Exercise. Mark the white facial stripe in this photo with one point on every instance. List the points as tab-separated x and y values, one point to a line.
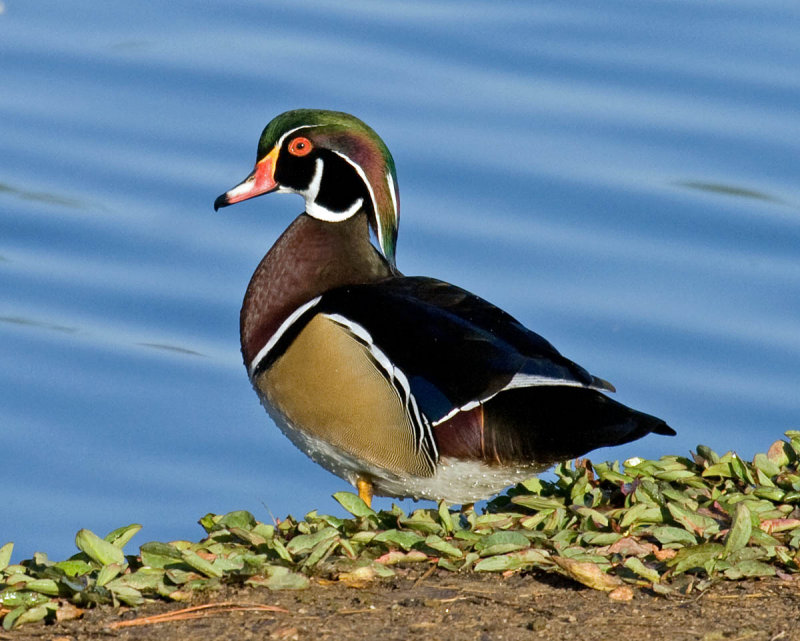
279	144
363	177
422	427
262	353
393	194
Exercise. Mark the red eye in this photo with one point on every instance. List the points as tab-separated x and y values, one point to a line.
300	146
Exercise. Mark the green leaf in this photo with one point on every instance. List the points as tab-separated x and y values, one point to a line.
305	542
422	521
5	555
666	534
97	549
108	572
321	551
354	504
445	519
382	571
122	535
674	475
500	521
200	564
641	513
761	538
749	568
129	596
279	578
739	468
708	454
240	518
467	535
440	545
15	598
767	466
774	494
144	580
598	519
176	576
693	522
600	538
741	529
635	565
74	567
502	542
363	536
248	536
159	555
11	618
209	521
264	531
514	561
279	548
43	586
696	557
649	492
405	540
533	502
611	473
721	469
30	616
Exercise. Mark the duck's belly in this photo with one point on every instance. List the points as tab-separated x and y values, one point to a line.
326	391
453	480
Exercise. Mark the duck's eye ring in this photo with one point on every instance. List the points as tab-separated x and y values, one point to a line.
300	146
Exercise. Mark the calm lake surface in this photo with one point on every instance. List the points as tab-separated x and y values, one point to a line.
620	176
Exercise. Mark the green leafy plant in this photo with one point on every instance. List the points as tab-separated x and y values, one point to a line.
659	524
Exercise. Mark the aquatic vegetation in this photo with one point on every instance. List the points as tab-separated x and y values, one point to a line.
667	525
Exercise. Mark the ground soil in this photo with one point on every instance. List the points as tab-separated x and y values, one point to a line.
446	606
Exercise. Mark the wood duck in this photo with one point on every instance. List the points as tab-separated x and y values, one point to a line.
404	386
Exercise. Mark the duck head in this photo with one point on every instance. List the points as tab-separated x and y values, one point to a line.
336	162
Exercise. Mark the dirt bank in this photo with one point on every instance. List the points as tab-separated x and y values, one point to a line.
447	606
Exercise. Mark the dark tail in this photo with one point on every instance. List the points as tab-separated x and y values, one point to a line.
550	424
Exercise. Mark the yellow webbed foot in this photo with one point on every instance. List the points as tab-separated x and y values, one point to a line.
364	490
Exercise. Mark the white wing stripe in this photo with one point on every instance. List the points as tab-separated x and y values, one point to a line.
533	380
518	381
422	427
262	353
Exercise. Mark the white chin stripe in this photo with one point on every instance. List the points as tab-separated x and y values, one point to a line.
319	212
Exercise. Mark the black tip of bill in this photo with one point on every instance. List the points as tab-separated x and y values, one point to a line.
221	201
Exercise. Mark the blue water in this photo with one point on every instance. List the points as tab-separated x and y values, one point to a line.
621	176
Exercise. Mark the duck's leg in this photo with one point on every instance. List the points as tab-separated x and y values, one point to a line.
364	486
